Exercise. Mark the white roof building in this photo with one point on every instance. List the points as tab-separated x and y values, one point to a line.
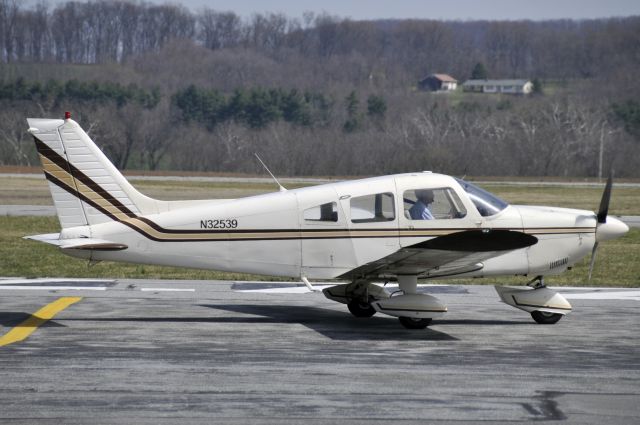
498	86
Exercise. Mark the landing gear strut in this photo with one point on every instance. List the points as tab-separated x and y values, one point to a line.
537	282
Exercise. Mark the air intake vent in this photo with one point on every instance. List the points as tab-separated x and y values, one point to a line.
558	263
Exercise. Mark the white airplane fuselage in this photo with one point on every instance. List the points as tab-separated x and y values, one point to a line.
268	234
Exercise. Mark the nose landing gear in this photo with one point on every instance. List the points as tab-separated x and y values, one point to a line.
545	305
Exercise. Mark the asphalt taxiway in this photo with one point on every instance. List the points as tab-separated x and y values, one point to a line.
149	352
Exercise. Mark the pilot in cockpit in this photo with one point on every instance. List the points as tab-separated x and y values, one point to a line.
420	209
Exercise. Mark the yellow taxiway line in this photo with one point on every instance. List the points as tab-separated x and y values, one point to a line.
40	317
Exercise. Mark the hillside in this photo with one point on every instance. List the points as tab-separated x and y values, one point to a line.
160	87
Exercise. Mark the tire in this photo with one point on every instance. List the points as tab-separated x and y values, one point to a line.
411	323
545	318
361	309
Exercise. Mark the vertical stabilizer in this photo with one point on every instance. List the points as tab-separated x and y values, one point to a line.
86	187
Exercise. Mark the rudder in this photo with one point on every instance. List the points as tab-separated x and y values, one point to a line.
86	187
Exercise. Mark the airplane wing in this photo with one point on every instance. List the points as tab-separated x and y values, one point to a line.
455	253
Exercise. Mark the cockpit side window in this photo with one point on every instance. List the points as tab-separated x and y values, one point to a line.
433	204
324	212
487	203
373	208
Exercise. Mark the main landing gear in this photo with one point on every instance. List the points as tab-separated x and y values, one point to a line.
364	299
361	308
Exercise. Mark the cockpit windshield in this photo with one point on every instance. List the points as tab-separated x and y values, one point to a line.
487	203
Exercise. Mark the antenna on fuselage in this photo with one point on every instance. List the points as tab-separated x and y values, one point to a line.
281	188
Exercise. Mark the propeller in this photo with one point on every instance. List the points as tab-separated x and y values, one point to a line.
606	228
604	202
603	211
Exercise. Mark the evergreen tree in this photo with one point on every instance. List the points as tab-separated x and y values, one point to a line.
629	114
295	109
353	116
376	106
479	72
537	86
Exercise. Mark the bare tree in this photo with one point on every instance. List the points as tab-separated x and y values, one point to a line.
218	30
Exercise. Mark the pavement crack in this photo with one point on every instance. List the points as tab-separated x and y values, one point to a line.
545	407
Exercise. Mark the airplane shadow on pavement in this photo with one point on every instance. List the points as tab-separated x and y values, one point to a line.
335	325
332	324
11	319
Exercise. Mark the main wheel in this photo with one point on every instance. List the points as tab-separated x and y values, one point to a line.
545	318
411	323
361	309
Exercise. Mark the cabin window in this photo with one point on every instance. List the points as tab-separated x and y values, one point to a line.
487	203
373	208
433	204
324	212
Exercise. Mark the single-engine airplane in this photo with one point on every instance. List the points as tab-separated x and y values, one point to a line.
402	227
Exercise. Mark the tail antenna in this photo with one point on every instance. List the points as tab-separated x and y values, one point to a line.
281	188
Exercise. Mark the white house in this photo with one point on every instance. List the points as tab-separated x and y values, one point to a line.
498	86
438	82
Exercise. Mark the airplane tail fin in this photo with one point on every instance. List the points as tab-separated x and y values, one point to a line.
86	187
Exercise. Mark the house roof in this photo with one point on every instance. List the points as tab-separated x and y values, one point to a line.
495	82
445	77
442	77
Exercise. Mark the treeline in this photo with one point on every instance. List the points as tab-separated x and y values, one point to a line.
254	107
258	107
55	93
103	31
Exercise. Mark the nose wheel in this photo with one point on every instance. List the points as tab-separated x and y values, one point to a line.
411	323
545	318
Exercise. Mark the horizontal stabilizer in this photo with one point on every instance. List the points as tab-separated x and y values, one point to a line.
50	238
78	243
